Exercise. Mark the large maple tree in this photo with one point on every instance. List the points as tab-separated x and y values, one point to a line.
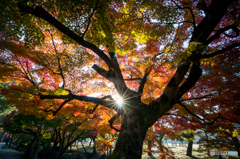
150	53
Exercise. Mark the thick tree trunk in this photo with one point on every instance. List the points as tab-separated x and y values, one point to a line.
132	135
189	149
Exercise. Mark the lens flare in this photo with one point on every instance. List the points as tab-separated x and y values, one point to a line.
119	102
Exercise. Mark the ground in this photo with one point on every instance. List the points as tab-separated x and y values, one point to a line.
180	153
11	154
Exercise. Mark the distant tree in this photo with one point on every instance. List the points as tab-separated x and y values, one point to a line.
220	138
188	135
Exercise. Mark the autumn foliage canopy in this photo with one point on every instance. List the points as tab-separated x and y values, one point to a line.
169	61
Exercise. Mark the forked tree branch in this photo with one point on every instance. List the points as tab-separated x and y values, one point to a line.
173	84
194	74
112	120
42	13
218	33
209	123
216	11
193	17
144	80
89	18
59	64
228	48
102	72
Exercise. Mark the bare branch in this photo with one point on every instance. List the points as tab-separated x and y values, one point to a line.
59	64
173	84
42	13
132	79
183	117
202	5
194	74
235	121
193	17
89	19
46	110
188	2
103	73
25	72
163	23
60	107
219	32
174	38
108	104
209	123
228	48
92	110
205	96
216	11
144	80
158	54
111	122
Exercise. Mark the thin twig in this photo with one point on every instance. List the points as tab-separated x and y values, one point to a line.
193	17
89	19
59	64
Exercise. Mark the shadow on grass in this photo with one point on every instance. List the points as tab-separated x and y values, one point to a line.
171	147
151	156
193	157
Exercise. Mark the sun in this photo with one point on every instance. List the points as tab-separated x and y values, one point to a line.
119	102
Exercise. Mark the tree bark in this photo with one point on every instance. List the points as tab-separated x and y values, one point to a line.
34	152
150	148
189	149
11	140
237	145
94	147
132	135
135	123
30	145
